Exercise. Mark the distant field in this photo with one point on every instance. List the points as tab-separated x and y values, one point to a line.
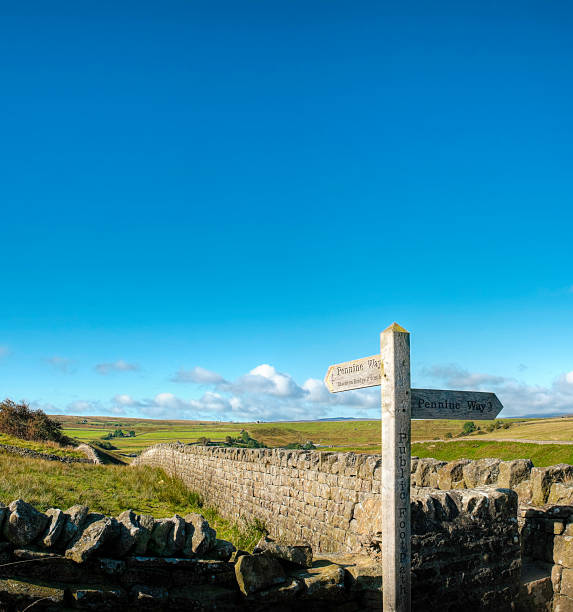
559	429
357	436
472	448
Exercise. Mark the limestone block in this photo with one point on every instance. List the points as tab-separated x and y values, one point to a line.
560	493
324	581
563	550
24	523
92	540
543	478
524	491
451	474
299	555
481	472
257	572
556	573
513	472
367	516
566	586
424	471
55	528
562	603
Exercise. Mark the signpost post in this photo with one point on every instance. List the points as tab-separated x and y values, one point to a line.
400	403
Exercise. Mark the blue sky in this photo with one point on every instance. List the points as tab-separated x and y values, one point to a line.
204	204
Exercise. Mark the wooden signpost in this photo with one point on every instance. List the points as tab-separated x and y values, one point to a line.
400	403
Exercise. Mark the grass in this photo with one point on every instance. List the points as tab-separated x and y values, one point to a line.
111	490
51	448
541	454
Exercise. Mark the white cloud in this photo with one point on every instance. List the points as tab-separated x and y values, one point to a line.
198	375
118	366
517	397
63	364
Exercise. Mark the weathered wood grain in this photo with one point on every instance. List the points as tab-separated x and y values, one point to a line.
440	404
396	531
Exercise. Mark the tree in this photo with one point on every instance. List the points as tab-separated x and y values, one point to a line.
469	426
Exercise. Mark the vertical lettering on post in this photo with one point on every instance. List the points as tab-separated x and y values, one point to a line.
396	452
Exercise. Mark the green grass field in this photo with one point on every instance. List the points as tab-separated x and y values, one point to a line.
111	490
50	448
356	436
541	454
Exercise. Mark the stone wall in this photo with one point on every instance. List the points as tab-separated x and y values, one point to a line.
547	540
326	499
465	555
330	500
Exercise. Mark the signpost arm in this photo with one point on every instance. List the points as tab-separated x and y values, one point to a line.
396	414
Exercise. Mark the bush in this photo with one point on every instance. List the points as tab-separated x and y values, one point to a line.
21	421
449	435
469	427
244	440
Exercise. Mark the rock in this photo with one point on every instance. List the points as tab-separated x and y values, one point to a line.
98	599
257	572
560	493
450	476
160	537
563	551
567	582
146	523
92	539
177	540
148	597
221	551
324	581
524	490
24	523
75	516
481	472
513	472
129	532
426	472
367	516
200	537
364	574
543	478
238	554
3	514
55	528
298	555
26	592
562	603
278	594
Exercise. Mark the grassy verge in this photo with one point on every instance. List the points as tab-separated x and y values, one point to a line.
110	490
541	454
50	448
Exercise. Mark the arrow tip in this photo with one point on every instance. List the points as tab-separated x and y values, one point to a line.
327	379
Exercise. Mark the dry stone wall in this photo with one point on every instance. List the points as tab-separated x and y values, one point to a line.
330	500
325	499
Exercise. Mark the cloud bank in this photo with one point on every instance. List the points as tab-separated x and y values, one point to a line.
266	394
518	398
